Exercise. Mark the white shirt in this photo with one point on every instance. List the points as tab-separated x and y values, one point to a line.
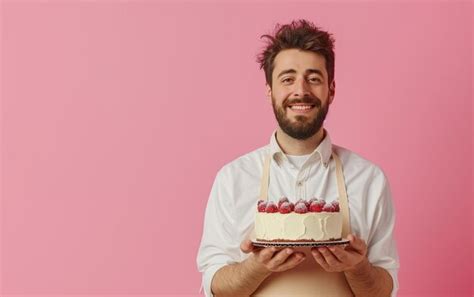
230	212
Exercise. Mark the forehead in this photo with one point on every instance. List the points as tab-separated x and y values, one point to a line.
298	60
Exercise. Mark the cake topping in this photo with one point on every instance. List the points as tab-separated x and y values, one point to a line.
300	207
336	205
261	206
292	206
316	206
271	207
285	207
283	199
329	207
303	201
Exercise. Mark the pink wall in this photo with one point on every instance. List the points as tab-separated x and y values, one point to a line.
472	147
117	116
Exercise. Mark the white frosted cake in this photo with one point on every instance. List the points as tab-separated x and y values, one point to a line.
312	220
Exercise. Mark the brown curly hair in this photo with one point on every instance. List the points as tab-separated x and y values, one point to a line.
299	34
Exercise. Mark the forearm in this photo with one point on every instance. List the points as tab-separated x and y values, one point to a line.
240	279
367	280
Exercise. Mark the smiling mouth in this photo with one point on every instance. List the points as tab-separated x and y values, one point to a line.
301	108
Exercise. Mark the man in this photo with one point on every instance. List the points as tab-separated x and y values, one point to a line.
299	68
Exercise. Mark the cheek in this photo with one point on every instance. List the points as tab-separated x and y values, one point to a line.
321	92
280	101
281	96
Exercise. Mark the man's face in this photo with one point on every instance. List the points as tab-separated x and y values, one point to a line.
300	92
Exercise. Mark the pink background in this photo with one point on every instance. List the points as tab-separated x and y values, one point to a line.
117	116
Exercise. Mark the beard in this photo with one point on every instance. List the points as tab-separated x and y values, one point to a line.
303	127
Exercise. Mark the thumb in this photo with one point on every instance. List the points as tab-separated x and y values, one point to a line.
356	243
246	246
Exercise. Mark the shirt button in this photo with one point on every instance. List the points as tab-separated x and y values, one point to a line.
300	184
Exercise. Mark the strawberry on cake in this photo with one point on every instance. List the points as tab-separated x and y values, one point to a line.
307	220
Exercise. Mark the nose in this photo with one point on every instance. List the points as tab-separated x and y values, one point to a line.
301	88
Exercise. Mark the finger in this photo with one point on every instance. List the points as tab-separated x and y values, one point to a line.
329	257
339	253
292	261
318	257
356	243
246	246
266	254
280	258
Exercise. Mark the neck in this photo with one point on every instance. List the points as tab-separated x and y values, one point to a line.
297	147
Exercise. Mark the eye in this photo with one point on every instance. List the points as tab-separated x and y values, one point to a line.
315	80
287	80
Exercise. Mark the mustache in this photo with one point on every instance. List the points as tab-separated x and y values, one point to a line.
305	100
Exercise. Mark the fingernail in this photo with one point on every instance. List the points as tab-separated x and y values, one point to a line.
289	251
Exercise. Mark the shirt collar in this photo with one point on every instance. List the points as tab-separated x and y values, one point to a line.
323	151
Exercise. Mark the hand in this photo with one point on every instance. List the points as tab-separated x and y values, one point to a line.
271	259
338	258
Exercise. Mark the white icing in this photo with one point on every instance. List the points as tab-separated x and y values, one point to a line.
292	227
295	226
260	225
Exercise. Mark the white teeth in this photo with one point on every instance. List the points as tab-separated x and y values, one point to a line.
301	107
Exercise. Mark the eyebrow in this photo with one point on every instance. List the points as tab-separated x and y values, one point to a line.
308	71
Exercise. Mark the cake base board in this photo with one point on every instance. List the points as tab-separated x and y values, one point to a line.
299	243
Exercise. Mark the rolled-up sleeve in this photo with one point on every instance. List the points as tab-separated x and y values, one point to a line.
382	250
219	246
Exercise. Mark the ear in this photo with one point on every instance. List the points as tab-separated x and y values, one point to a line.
332	91
268	92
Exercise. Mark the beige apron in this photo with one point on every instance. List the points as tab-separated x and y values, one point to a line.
308	278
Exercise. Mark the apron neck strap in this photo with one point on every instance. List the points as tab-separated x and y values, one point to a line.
341	187
343	199
265	181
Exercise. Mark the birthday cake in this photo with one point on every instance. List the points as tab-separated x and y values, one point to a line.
306	220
